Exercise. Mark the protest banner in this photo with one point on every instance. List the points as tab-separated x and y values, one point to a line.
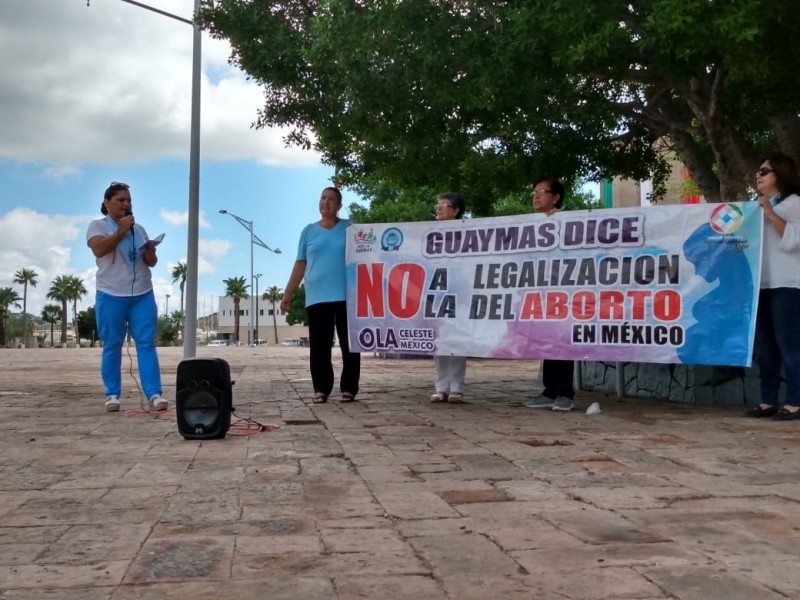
664	284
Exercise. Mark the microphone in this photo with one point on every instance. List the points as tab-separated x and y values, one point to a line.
128	213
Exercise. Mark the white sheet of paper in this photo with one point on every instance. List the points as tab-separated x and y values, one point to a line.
154	242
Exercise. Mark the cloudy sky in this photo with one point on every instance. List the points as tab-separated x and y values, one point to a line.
101	93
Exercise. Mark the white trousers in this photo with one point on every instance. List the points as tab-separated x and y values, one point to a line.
450	373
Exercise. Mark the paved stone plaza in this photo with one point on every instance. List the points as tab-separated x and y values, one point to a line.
388	498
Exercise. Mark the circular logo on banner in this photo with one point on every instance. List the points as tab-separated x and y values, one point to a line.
391	239
726	218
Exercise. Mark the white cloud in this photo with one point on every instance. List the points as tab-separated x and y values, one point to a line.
214	248
111	83
37	241
179	218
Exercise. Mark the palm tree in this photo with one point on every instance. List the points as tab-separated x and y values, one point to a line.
60	290
179	273
273	294
8	297
76	291
236	288
51	313
25	277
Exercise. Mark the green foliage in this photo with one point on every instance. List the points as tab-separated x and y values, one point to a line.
179	273
51	313
8	298
391	202
25	277
236	288
582	199
169	328
274	295
14	328
61	291
87	325
480	97
297	314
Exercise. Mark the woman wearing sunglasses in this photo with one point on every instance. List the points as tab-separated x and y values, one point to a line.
125	297
450	370
777	322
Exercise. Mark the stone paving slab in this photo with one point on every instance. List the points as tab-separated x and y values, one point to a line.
389	497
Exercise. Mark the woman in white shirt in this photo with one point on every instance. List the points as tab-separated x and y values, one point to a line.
125	295
778	320
450	370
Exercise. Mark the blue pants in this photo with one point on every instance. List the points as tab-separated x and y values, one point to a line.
778	343
114	314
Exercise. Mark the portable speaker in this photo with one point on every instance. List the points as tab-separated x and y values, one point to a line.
203	400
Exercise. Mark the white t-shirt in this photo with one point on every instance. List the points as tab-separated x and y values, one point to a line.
121	272
780	262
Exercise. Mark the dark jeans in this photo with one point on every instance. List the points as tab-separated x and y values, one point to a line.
778	343
322	318
557	376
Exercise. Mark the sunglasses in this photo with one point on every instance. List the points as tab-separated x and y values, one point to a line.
764	171
119	184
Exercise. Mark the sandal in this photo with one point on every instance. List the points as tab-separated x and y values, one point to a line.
320	398
439	398
455	398
347	397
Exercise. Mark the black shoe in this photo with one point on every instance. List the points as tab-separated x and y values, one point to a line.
786	415
758	412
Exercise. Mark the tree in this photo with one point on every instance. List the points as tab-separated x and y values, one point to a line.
297	313
76	291
273	295
481	96
51	313
392	202
25	277
389	203
60	290
169	327
87	325
236	288
179	273
8	297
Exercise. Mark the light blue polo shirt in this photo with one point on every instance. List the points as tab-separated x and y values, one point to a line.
324	250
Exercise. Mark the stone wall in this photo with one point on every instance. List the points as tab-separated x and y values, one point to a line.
690	384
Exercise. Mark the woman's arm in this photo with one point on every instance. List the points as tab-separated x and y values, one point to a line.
771	216
298	271
103	244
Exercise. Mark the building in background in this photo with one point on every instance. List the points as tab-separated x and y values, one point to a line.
619	193
266	328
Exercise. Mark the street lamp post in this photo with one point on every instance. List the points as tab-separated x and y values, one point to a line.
166	308
256	337
254	239
192	254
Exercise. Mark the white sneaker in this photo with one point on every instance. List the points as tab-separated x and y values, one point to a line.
157	402
541	401
112	403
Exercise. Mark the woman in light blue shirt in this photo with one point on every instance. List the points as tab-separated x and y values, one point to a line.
321	262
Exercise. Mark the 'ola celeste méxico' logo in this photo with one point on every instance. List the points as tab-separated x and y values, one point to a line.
726	218
392	239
